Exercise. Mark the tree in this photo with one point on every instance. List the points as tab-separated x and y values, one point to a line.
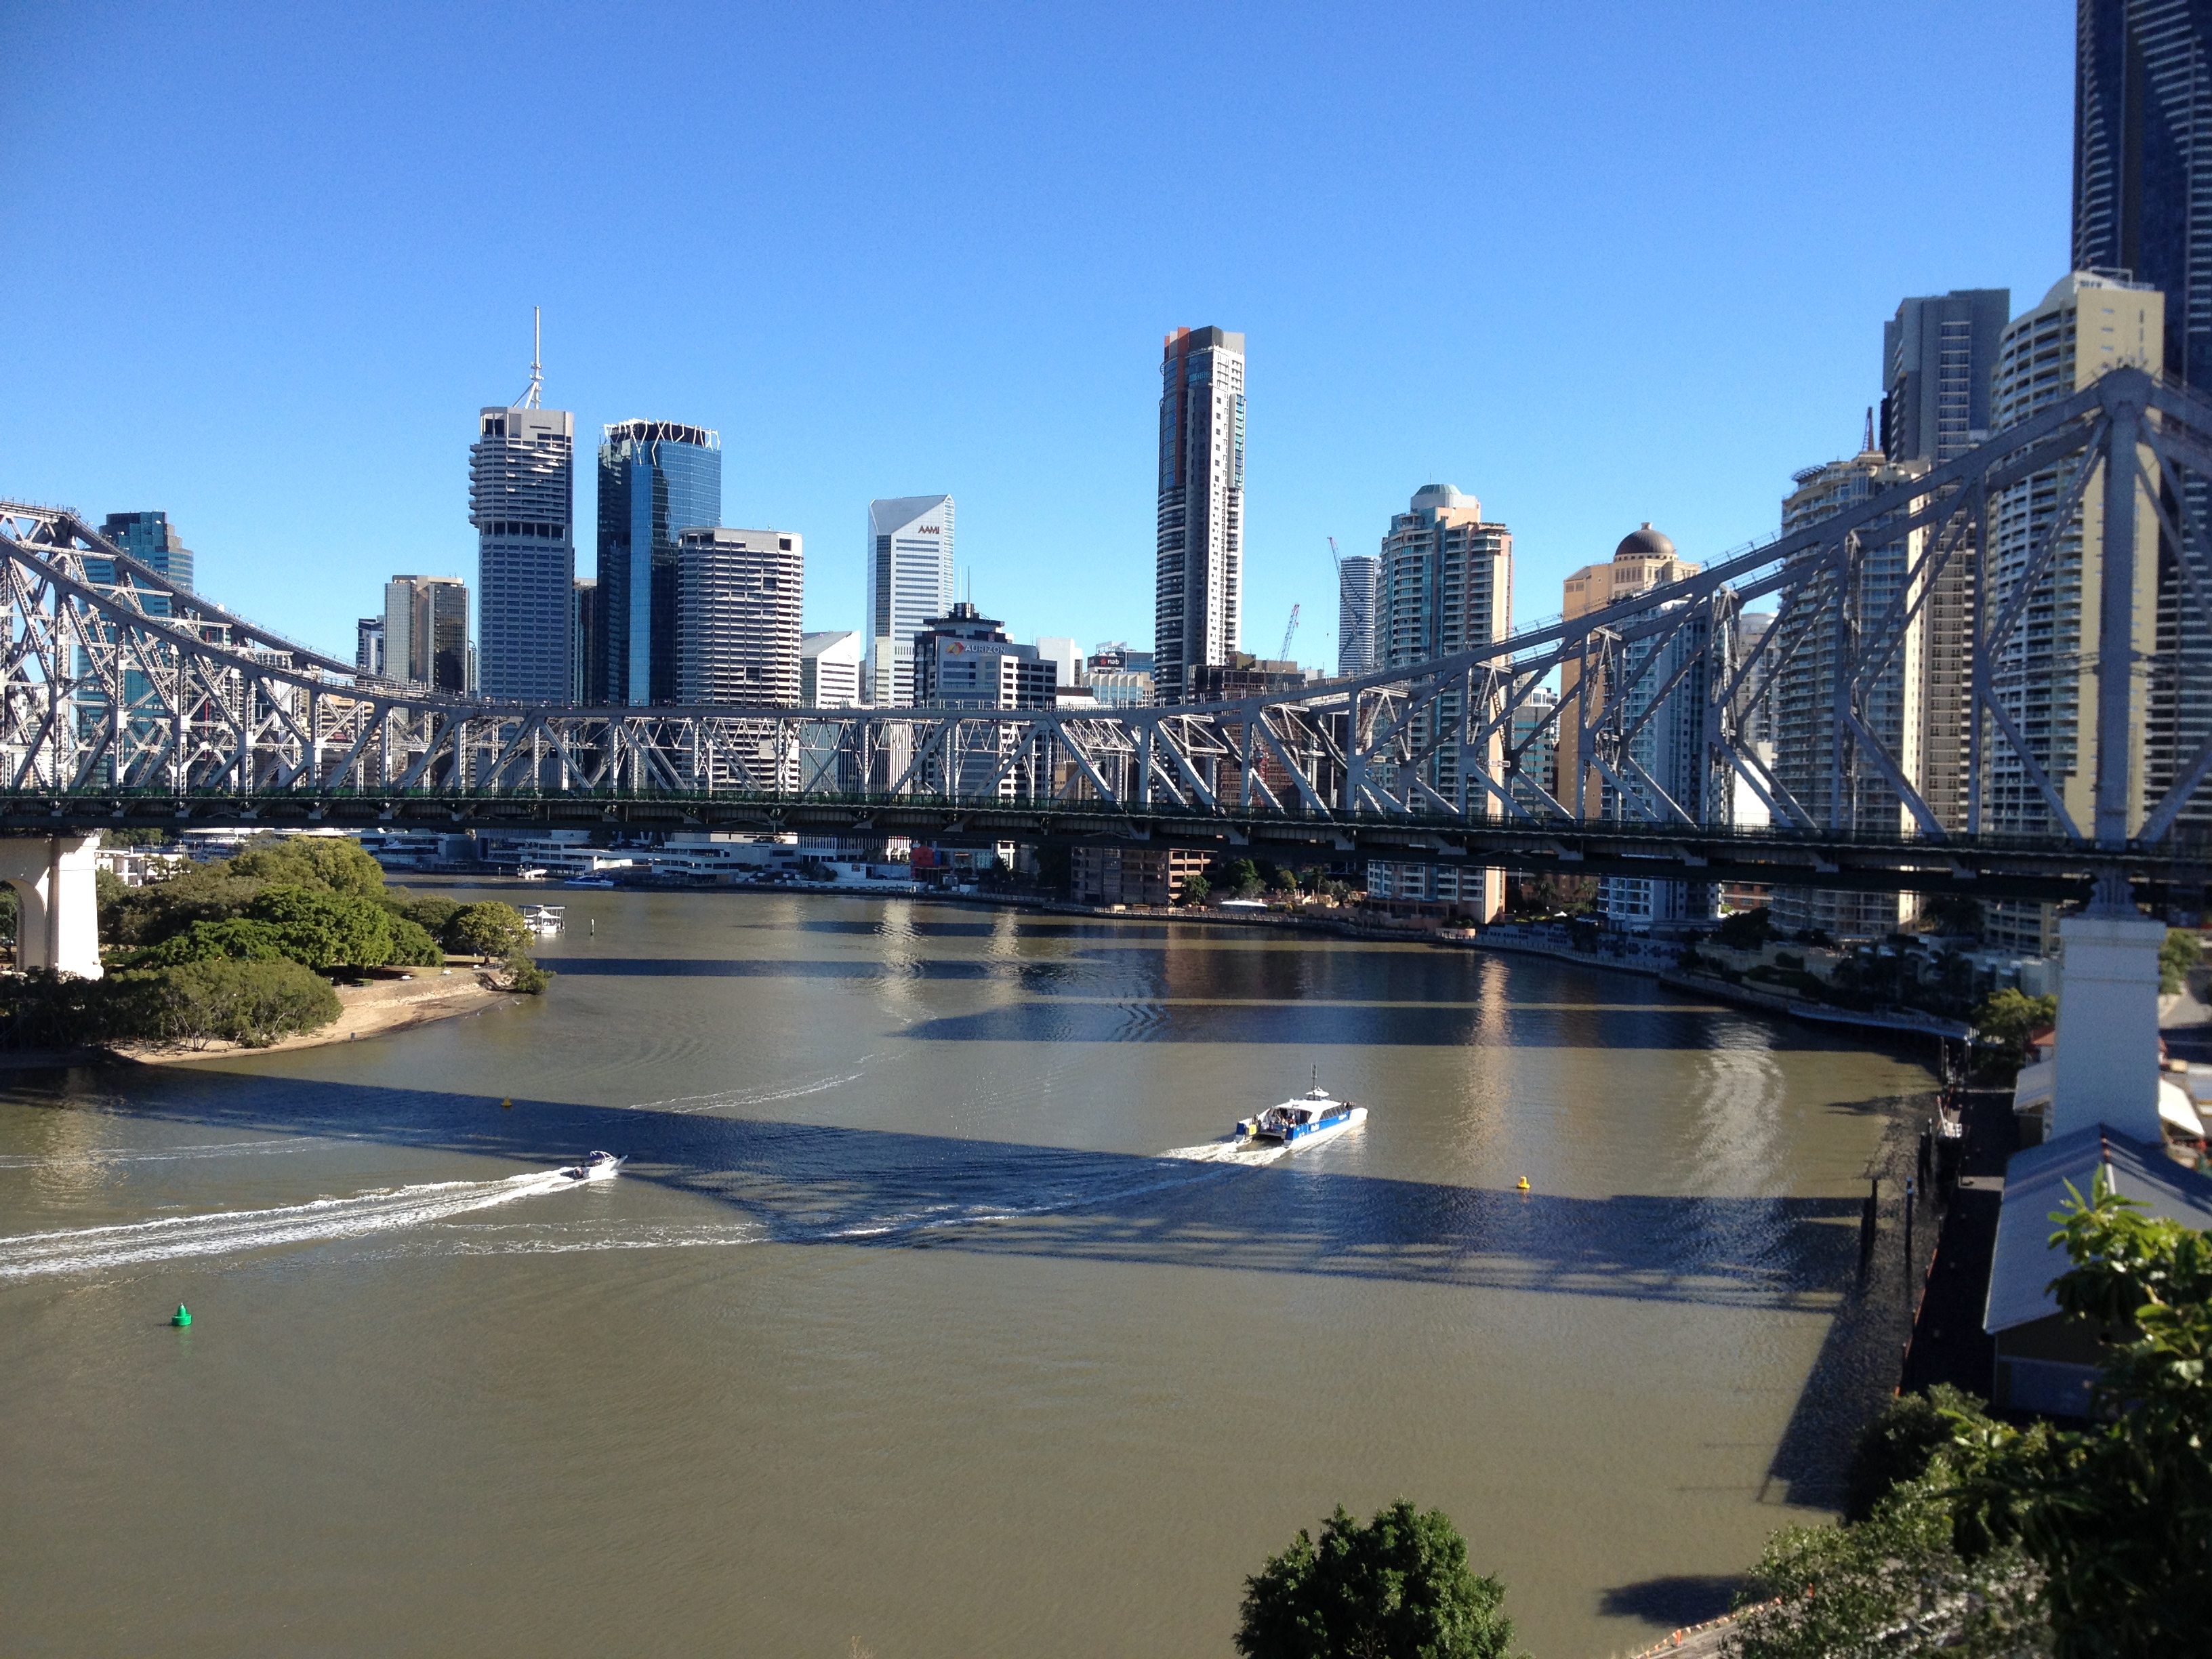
239	939
2117	1515
1286	881
326	929
1899	1445
1243	878
334	862
488	929
524	974
411	947
2007	1020
431	911
1195	888
1746	930
134	837
194	1003
1952	912
1397	1588
2177	959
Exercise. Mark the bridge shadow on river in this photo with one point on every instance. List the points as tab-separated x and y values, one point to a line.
811	1186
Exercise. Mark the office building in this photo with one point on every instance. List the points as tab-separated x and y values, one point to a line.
426	632
368	644
738	594
1644	559
829	665
1062	653
522	491
657	479
1246	676
1444	584
587	639
2142	210
909	582
2045	673
1668	678
1198	596
1128	875
151	539
964	659
1355	614
1535	739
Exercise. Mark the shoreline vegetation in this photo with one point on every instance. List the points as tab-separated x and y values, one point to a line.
293	941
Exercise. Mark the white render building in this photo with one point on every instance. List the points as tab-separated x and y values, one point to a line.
1356	578
737	598
829	666
909	582
1198	599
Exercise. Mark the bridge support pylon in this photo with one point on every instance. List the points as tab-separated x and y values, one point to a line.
58	902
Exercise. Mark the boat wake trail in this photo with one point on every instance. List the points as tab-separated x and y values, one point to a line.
1251	1155
229	1231
155	1155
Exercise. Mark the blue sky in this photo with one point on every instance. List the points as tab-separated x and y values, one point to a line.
1594	265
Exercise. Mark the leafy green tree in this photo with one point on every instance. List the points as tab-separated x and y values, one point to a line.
239	939
524	974
335	862
411	947
326	929
1746	930
2118	1515
2007	1020
1286	881
488	929
2177	959
134	837
1397	1588
1952	913
250	1003
432	912
1899	1445
1195	890
41	1009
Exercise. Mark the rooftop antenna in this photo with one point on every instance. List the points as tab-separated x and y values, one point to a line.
1869	439
529	399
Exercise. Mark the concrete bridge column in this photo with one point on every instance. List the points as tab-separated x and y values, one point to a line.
57	912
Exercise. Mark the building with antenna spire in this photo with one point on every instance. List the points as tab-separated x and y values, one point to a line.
522	492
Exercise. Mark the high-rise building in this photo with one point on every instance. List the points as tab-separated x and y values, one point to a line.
1063	653
587	639
1537	737
829	665
1355	614
1444	584
1668	678
657	480
151	539
1198	600
964	659
522	497
738	595
2045	673
426	632
368	644
1644	559
909	582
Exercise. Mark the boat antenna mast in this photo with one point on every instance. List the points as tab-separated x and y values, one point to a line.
529	399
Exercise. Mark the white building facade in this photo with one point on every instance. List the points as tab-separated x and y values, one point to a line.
909	582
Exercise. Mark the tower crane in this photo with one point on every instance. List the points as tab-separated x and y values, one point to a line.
1283	655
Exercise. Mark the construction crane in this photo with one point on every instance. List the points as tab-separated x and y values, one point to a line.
1283	655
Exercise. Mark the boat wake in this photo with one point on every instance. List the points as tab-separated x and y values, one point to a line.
1250	1153
227	1232
150	1155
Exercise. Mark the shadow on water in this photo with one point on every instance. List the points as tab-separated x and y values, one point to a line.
1680	1600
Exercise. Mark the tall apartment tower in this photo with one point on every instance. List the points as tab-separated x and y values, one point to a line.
522	496
151	539
657	480
1198	601
1445	584
738	594
909	582
1644	559
1831	777
426	632
1355	614
1668	752
369	644
2044	674
1937	356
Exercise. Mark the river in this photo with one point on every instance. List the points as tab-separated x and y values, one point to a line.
928	1317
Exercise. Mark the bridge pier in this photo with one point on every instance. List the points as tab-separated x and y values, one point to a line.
58	902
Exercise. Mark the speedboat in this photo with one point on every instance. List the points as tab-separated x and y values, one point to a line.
599	1166
1316	1115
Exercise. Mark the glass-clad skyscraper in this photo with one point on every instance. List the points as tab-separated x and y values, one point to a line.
1198	599
151	539
657	480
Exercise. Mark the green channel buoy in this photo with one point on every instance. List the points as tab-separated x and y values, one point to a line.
182	1316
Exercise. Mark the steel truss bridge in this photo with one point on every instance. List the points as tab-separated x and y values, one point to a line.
129	701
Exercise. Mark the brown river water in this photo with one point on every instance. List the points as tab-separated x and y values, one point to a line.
928	1317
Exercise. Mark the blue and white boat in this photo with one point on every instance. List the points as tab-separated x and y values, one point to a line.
1313	1116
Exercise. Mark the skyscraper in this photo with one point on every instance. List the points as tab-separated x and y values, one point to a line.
909	582
522	494
1446	585
1198	599
586	646
738	593
426	632
1644	559
1355	613
151	539
369	644
657	479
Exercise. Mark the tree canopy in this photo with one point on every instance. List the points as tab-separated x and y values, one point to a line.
1398	1587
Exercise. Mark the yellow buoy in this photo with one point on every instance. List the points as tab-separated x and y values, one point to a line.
507	1105
1522	1184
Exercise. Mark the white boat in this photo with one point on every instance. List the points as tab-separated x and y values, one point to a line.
599	1166
589	881
530	872
545	918
1313	1116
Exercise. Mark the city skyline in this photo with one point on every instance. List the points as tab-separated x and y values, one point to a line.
1723	319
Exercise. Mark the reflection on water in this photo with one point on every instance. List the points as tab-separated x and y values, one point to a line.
932	1272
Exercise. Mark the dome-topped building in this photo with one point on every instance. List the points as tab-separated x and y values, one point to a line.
1644	543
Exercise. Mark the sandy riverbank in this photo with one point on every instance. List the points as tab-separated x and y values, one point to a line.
366	1011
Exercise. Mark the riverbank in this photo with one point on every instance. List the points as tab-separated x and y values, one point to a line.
368	1010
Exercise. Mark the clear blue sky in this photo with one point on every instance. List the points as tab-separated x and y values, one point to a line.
1594	264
